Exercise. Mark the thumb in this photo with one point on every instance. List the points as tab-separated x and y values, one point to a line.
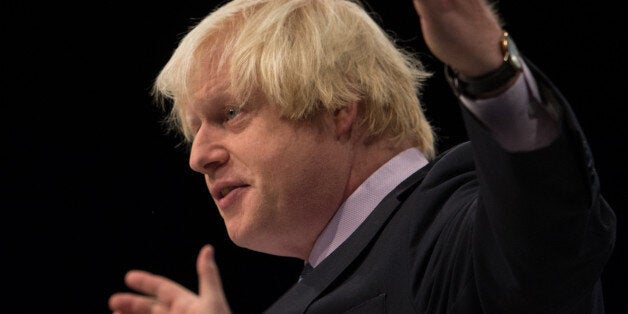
210	286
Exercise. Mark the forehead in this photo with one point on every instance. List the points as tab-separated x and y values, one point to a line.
207	75
208	83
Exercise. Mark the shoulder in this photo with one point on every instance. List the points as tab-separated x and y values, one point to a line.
452	163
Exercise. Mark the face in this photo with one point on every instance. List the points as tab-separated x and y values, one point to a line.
276	182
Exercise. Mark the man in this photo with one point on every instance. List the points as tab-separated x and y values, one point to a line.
305	121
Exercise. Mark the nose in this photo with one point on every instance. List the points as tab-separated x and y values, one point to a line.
207	153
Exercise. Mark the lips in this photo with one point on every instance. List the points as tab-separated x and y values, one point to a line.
229	195
226	190
225	193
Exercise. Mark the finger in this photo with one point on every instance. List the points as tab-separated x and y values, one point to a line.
130	303
159	287
208	275
210	285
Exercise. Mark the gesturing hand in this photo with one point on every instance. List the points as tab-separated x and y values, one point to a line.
464	34
161	295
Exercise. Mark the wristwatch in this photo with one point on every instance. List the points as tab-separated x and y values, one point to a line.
492	81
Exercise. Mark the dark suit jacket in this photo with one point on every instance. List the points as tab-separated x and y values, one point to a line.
478	230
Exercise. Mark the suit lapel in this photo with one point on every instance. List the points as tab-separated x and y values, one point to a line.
298	298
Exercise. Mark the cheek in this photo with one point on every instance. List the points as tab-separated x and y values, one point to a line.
295	169
303	179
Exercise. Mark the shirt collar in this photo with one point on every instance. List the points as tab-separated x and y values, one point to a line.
359	205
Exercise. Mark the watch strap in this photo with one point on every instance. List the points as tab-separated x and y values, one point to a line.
489	82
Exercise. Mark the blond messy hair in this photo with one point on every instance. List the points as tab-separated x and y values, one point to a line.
304	56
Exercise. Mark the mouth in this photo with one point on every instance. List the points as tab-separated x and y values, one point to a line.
226	190
227	196
220	193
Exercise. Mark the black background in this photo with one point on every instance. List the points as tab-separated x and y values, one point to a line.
93	186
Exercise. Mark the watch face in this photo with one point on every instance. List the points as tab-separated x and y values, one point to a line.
512	55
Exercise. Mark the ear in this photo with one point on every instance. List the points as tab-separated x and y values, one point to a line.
345	118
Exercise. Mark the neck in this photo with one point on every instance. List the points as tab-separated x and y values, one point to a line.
370	157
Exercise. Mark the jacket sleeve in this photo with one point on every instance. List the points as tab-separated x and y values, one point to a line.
543	232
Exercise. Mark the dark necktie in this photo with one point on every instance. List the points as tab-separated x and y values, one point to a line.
307	269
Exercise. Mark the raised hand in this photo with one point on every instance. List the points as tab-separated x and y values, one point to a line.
160	295
464	34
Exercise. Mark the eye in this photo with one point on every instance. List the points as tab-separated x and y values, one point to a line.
231	112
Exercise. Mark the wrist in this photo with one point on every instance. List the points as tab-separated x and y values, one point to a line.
494	82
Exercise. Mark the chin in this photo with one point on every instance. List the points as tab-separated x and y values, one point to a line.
255	241
242	236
